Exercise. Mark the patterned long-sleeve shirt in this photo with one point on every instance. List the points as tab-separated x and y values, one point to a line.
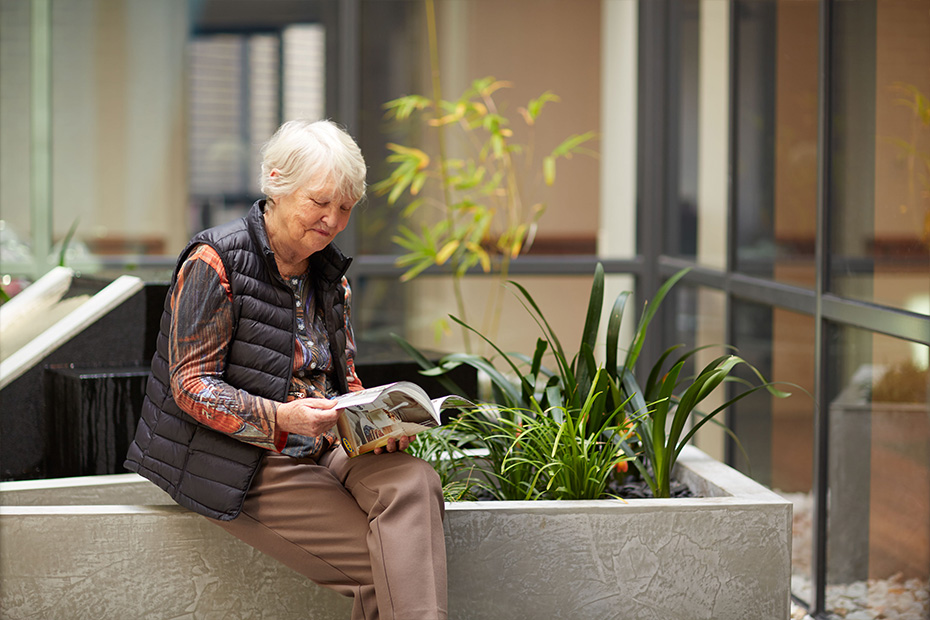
201	331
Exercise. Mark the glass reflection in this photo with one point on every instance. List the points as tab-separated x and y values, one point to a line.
879	476
699	322
776	139
775	436
881	153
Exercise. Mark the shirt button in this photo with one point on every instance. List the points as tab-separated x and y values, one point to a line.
312	365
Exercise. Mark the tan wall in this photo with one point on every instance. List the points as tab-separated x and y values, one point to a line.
137	110
903	56
540	45
796	121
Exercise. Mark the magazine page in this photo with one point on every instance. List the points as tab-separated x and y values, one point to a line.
395	410
368	396
451	402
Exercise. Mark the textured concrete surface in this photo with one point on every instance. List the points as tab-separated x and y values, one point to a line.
724	556
121	563
721	557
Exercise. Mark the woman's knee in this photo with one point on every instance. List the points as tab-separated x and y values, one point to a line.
414	476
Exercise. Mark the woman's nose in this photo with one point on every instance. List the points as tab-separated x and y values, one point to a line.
329	215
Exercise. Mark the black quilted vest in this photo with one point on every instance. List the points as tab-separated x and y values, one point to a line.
204	470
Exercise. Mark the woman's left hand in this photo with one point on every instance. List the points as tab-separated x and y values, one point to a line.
394	445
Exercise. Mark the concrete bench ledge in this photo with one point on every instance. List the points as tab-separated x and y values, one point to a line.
117	547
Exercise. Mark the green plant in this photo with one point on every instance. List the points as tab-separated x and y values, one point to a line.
483	195
439	447
581	404
66	242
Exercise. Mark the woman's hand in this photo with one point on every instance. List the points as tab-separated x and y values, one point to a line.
394	445
307	416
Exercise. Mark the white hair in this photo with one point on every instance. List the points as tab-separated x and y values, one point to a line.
302	152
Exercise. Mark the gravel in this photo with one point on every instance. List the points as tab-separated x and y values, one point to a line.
893	598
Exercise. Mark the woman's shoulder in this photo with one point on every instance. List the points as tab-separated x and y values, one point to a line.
204	255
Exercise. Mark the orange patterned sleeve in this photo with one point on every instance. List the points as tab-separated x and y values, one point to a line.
201	330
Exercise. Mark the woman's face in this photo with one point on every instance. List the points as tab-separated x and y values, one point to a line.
307	220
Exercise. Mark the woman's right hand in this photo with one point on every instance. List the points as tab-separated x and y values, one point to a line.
307	416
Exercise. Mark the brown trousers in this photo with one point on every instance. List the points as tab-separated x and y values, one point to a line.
368	527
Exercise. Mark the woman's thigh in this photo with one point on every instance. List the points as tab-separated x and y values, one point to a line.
299	513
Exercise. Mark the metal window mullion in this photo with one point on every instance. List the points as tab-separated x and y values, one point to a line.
349	85
385	266
872	317
887	320
729	417
245	112
822	261
279	35
652	149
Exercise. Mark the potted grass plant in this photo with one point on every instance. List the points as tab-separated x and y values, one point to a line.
550	448
563	427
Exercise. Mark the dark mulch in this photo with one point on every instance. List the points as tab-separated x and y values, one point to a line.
636	488
632	486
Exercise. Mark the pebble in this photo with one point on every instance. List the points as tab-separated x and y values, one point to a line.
892	598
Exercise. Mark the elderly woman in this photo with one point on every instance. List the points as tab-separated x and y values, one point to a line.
237	423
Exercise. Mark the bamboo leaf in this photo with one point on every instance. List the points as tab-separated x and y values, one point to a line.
535	106
549	170
447	251
571	144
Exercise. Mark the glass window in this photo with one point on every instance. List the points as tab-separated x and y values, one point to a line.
118	151
775	185
775	436
240	88
378	310
394	62
684	96
151	127
881	153
511	41
15	133
699	116
878	521
699	321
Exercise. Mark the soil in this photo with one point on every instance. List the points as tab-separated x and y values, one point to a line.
636	488
631	487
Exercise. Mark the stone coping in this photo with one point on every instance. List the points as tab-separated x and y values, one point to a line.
713	558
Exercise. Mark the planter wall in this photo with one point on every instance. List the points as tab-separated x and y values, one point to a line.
116	547
726	555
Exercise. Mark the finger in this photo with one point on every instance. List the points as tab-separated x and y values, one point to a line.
330	415
319	403
403	443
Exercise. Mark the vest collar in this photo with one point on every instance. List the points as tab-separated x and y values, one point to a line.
328	265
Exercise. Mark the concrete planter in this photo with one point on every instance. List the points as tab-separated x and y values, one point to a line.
116	547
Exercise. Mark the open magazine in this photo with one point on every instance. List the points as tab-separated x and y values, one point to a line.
369	417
